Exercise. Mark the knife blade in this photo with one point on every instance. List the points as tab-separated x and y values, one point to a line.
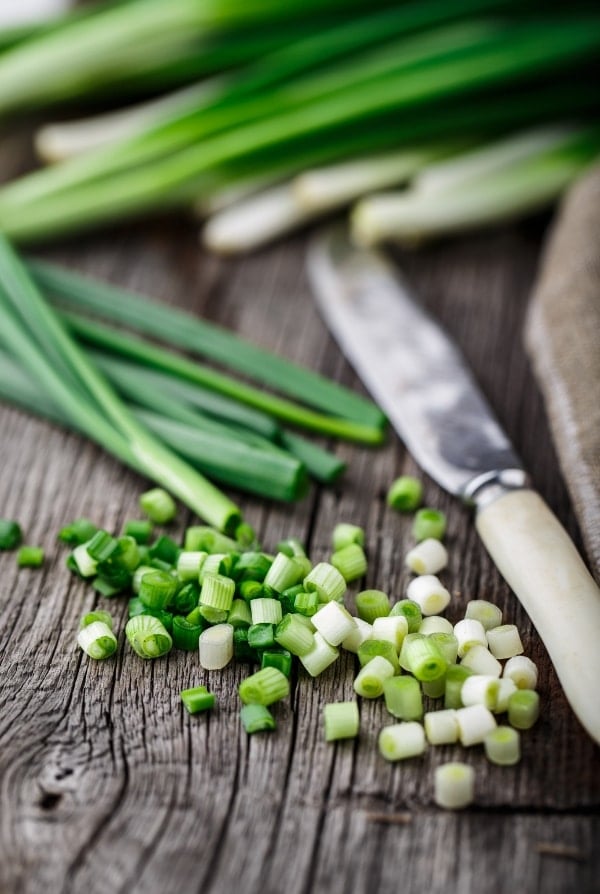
420	379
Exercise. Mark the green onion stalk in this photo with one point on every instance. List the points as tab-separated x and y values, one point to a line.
406	77
32	333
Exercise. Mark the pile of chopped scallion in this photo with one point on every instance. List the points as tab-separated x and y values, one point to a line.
169	417
264	116
225	599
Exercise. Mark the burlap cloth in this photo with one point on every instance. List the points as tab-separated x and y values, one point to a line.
562	336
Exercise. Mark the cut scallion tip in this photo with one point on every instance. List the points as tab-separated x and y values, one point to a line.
405	494
370	680
523	708
481	661
327	581
158	505
265	687
427	557
421	656
441	727
522	671
97	640
148	637
504	641
429	593
30	557
216	646
401	741
372	647
371	604
157	588
257	718
10	533
341	720
333	622
344	534
454	786
403	698
79	531
217	590
503	746
320	656
350	561
488	614
411	611
429	524
197	699
293	635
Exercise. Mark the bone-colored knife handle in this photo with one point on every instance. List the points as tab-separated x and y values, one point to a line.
538	560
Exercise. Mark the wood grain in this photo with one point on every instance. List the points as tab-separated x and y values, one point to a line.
108	785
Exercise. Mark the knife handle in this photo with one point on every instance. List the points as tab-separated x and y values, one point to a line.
538	560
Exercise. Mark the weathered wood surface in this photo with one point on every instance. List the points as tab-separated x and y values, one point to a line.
107	784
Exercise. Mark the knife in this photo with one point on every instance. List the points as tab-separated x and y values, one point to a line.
421	381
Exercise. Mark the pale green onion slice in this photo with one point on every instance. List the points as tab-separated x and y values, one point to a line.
488	614
264	687
158	505
507	687
350	561
266	611
361	632
405	494
429	524
239	615
504	641
327	581
341	720
441	727
284	572
401	741
503	746
523	708
421	656
435	624
469	632
522	671
474	723
447	644
189	563
148	637
373	647
138	574
481	661
454	786
434	688
344	534
370	679
86	566
480	690
292	634
371	604
403	697
217	591
216	646
391	629
427	557
320	657
97	640
429	594
333	622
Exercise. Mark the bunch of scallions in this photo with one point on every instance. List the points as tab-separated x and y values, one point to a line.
65	355
425	116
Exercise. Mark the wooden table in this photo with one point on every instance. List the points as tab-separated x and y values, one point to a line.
109	785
